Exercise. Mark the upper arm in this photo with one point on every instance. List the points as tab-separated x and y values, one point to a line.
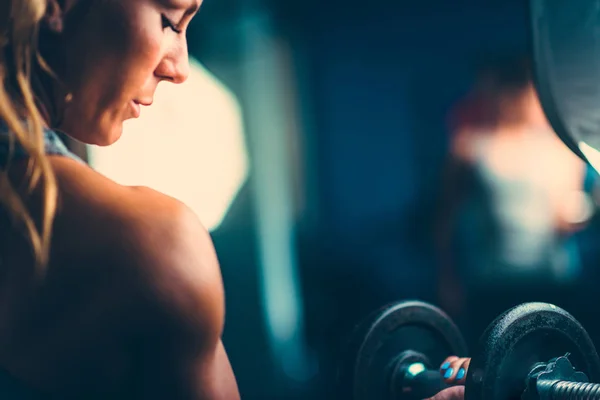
174	305
184	311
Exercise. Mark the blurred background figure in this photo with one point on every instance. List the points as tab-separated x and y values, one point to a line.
513	197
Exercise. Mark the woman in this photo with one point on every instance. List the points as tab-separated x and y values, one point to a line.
507	210
106	291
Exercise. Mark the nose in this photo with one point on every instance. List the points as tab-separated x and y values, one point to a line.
175	66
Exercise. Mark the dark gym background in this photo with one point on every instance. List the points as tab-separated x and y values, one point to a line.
344	106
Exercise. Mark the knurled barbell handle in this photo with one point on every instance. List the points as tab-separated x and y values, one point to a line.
567	390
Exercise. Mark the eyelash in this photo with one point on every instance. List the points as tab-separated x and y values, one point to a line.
168	24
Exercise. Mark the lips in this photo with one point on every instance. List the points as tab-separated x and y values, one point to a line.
136	109
135	106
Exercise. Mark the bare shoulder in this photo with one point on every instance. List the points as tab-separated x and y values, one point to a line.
174	292
152	236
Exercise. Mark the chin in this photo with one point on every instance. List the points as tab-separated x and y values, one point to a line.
108	128
104	135
109	137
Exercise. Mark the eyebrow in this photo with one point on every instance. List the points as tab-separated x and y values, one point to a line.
193	7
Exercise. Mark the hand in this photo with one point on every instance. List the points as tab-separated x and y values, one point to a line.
454	370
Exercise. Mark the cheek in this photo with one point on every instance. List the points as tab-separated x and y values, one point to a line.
115	56
143	58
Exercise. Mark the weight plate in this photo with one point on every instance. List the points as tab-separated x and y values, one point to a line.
389	332
520	338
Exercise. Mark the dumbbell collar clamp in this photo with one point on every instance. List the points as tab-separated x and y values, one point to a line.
544	376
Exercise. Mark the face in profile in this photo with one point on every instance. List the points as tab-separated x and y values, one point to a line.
111	55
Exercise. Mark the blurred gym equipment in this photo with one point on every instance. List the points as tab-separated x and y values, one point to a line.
565	44
534	351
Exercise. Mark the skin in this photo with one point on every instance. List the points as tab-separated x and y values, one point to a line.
450	371
453	393
131	304
114	53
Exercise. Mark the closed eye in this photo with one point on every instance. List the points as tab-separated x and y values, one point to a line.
167	23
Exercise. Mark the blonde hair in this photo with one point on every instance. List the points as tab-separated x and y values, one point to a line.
19	29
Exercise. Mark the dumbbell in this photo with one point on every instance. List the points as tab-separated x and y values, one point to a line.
396	353
532	351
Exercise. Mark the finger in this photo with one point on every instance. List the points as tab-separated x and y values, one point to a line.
461	374
447	370
455	371
453	393
447	362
